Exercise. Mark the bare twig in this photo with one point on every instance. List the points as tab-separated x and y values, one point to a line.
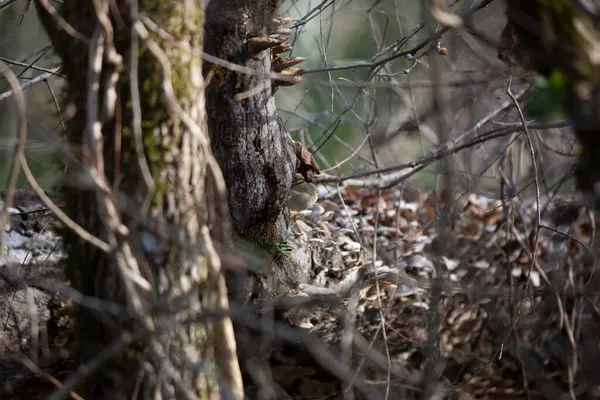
88	368
137	112
19	147
224	339
32	366
31	82
60	21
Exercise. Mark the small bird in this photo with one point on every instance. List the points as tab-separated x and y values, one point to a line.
302	195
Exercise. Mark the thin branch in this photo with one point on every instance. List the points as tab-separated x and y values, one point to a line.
33	67
31	82
398	173
137	111
19	147
60	21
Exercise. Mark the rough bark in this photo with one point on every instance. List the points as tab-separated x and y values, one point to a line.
257	158
255	154
163	244
254	151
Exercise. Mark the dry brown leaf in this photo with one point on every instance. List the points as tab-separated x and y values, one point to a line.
305	162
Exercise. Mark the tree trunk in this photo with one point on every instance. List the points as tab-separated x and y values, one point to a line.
254	151
255	154
136	108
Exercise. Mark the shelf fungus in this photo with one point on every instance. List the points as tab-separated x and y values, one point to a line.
272	45
276	38
257	45
280	63
278	22
291	75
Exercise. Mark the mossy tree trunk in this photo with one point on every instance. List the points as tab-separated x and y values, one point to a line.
135	105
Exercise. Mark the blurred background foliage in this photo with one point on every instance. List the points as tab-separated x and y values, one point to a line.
23	42
392	117
354	119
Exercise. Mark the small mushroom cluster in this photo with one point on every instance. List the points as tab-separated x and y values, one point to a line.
277	41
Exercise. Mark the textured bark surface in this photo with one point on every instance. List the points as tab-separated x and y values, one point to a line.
178	165
254	152
257	159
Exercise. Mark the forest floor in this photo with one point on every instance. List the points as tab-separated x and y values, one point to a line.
413	308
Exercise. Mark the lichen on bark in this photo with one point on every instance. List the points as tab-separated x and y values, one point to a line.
178	165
